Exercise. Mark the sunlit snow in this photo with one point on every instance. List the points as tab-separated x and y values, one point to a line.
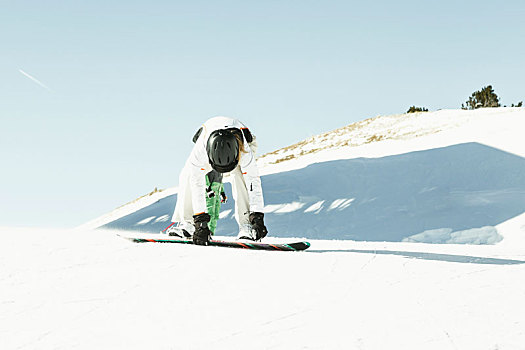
417	232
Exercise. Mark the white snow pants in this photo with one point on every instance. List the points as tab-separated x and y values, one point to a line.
184	208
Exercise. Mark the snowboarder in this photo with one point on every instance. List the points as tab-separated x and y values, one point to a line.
223	146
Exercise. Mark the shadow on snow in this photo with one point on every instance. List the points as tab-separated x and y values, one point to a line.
460	187
465	259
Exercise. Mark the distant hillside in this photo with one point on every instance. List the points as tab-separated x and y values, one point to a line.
392	128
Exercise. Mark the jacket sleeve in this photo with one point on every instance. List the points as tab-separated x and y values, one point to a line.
197	164
253	182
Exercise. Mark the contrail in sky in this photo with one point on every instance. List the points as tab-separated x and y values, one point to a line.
35	80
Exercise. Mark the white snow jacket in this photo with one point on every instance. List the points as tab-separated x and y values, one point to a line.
199	165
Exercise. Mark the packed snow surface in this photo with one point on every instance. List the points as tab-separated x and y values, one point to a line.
417	232
82	289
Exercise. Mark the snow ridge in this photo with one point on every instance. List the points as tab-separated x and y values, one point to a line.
129	208
344	142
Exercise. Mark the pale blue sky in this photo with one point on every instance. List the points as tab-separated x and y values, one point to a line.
126	83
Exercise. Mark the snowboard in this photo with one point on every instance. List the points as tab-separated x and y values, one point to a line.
295	246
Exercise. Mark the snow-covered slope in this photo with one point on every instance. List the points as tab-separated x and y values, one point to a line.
401	133
449	176
90	289
131	207
93	290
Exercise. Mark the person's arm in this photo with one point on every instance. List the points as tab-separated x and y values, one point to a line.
197	162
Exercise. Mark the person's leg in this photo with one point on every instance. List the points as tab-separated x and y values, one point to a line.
213	200
242	202
183	212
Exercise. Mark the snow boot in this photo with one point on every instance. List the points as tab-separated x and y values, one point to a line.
183	230
246	232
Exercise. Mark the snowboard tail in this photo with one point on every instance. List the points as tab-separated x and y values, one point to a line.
296	246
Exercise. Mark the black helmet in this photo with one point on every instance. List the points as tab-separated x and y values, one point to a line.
223	151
